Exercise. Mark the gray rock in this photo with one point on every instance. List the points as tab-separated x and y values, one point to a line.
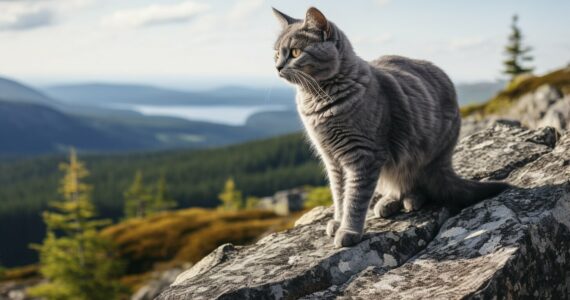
547	106
513	246
558	115
303	260
159	283
506	145
315	214
550	169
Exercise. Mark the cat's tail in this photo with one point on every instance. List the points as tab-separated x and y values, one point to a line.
447	188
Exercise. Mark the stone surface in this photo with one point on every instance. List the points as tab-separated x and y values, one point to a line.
159	283
546	106
303	260
543	107
513	246
506	145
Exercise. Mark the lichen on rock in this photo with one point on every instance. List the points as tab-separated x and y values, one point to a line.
515	245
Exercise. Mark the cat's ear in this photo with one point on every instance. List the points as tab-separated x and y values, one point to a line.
316	19
283	19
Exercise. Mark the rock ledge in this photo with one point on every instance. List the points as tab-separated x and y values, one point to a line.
513	246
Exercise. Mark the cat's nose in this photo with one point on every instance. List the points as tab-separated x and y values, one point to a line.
279	68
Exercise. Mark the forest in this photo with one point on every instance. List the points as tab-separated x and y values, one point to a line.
194	179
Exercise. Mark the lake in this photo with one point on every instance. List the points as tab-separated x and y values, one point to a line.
229	115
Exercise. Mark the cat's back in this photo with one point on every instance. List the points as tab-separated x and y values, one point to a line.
402	66
419	76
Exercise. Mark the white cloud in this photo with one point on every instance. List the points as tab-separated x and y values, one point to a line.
156	15
24	15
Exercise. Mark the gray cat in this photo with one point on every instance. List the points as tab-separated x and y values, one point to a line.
387	126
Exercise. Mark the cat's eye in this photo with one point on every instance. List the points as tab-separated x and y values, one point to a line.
295	52
276	56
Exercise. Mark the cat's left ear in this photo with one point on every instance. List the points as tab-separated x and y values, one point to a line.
316	19
283	19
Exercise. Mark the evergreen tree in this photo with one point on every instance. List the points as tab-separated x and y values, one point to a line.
517	54
231	197
161	202
138	199
73	257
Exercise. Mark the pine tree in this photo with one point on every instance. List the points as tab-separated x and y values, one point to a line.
517	54
231	197
161	202
73	257
137	198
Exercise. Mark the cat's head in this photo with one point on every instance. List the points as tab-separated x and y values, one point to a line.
307	47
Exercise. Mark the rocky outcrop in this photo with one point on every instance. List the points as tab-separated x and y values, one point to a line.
159	282
547	106
513	246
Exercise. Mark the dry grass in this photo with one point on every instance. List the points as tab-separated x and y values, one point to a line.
21	273
560	79
177	237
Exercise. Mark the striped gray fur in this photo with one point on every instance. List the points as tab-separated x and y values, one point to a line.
384	128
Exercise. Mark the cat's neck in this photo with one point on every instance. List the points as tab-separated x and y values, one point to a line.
335	94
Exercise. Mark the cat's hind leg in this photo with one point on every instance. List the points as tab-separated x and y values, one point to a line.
390	202
413	201
387	206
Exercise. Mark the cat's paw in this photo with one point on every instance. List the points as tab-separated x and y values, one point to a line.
332	227
386	207
346	238
413	202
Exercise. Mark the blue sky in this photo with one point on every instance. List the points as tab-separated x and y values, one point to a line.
200	44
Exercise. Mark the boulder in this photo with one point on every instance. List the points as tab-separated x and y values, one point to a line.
546	106
515	245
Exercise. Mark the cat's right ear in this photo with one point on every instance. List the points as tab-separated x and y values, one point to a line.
283	19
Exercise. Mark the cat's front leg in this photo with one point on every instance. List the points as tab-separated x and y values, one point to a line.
336	181
361	177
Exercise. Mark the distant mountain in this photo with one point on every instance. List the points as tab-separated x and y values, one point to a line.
101	94
27	128
469	93
279	122
14	91
34	123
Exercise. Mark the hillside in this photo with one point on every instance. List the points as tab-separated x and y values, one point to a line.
524	85
11	90
194	178
85	118
28	128
176	238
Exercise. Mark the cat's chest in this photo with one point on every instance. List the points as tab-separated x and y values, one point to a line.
321	129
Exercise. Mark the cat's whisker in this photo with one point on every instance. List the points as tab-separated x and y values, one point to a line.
318	90
311	86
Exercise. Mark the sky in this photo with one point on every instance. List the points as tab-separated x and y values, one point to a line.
206	43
